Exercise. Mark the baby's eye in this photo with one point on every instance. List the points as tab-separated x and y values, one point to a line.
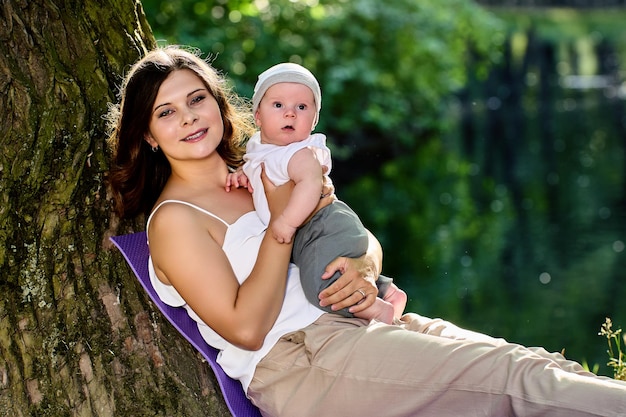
278	105
302	106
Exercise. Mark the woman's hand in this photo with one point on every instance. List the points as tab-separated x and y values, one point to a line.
356	286
358	277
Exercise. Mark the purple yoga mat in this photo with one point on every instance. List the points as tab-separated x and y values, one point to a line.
134	247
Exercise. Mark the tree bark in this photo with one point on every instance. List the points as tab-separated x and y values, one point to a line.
78	336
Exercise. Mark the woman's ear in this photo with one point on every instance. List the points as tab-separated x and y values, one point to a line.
148	138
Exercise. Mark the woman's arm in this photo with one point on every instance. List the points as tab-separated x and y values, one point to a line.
357	274
191	260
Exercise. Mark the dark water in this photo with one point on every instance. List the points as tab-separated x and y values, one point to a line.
560	267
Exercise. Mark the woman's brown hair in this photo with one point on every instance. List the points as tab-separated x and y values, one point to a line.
138	174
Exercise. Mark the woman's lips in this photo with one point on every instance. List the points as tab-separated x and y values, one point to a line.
196	135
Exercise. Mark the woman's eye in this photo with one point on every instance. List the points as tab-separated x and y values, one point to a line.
164	113
197	99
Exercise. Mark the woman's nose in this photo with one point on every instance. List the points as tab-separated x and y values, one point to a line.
189	117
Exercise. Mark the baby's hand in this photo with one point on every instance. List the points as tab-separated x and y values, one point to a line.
237	179
282	232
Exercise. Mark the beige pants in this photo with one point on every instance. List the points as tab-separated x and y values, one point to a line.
422	367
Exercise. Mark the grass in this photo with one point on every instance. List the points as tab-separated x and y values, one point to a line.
617	356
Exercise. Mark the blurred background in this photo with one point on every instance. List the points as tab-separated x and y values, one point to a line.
483	142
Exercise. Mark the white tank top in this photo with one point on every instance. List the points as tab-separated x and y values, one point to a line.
241	245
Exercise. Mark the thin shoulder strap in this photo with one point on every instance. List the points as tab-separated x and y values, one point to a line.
186	204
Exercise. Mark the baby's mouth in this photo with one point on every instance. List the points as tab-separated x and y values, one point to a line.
288	127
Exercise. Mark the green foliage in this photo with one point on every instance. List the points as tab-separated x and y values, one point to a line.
436	240
562	25
384	67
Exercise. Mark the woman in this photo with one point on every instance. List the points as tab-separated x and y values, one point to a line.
176	134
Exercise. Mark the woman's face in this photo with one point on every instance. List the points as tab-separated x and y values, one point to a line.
186	122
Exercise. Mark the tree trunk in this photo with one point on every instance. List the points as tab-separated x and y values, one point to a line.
78	336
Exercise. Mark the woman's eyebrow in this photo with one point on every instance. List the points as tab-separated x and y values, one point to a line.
196	90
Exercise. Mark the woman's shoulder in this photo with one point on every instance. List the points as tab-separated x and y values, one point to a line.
173	214
179	213
169	207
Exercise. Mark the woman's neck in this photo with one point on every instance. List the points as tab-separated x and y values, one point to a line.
200	176
203	183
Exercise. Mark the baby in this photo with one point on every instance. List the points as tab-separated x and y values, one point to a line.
286	105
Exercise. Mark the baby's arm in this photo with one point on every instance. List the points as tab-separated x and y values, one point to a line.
306	172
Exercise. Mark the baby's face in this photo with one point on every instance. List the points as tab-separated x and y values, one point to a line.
286	113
